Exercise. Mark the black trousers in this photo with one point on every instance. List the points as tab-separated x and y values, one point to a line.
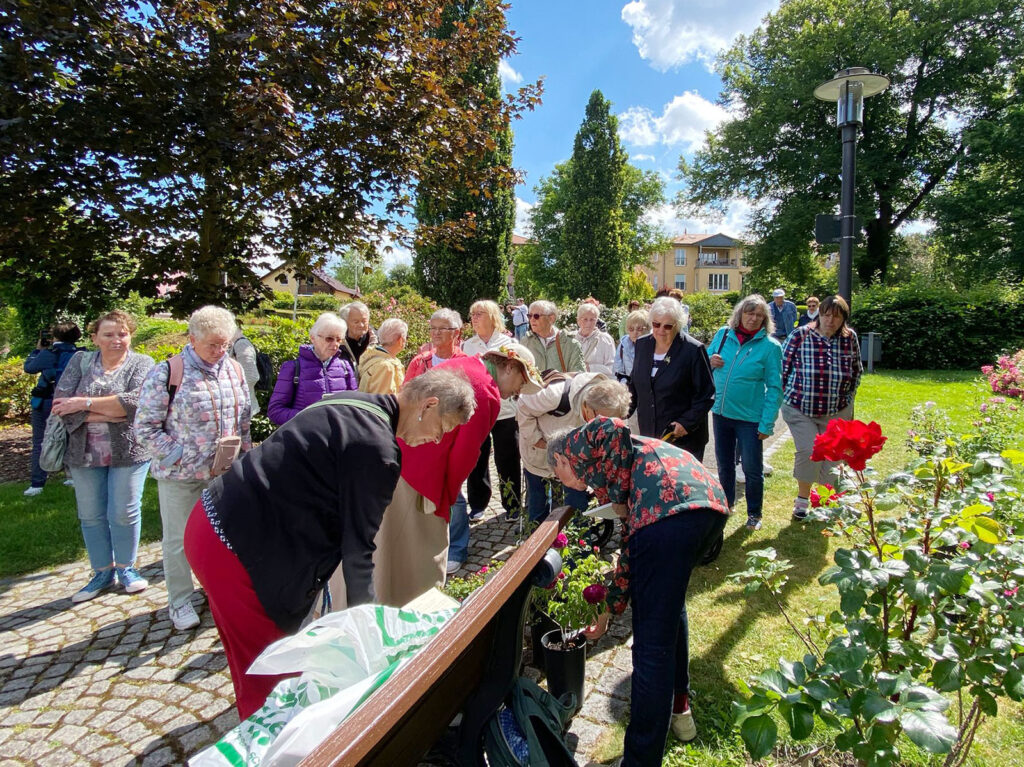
505	436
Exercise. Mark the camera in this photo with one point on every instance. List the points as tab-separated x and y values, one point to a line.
45	337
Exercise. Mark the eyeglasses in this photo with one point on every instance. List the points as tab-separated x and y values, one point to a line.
666	325
441	330
331	339
536	316
477	314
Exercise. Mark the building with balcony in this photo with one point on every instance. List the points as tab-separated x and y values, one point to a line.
700	263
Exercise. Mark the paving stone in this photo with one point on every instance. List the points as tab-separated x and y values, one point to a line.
160	757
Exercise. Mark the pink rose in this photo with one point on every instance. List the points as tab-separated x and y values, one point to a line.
595	594
561	541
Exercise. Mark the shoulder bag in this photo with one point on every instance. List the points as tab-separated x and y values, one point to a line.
55	437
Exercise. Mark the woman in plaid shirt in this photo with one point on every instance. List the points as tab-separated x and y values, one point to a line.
821	370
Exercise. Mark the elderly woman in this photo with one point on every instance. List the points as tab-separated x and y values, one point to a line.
673	510
637	324
193	416
380	370
413	552
555	408
671	383
821	371
490	334
553	349
96	398
747	365
266	536
445	327
321	368
598	347
359	336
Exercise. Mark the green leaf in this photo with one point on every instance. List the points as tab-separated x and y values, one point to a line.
1013	683
987	529
794	672
1014	456
759	734
928	729
774	681
819	689
946	676
800	719
879	709
974	510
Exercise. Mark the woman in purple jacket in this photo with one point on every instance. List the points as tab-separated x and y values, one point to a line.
321	368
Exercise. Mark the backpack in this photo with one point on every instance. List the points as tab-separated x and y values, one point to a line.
530	730
564	406
264	366
46	387
176	371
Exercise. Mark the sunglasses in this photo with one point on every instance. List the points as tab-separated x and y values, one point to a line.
666	325
331	339
537	316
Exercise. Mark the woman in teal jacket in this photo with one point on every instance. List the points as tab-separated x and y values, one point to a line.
746	364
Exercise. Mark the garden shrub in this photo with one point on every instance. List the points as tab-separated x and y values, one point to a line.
15	388
404	303
708	312
320	302
928	327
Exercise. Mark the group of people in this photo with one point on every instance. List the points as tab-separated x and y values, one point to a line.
358	495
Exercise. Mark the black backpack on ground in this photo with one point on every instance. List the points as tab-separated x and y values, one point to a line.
530	729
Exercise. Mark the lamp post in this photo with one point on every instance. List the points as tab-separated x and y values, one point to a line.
848	89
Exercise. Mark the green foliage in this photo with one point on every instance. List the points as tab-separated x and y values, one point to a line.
943	57
936	327
708	312
405	304
12	337
589	221
566	604
15	388
927	603
460	589
319	302
186	143
636	287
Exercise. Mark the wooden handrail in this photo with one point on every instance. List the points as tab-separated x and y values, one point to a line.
399	723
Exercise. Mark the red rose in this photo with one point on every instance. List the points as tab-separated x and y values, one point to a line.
852	442
595	594
561	541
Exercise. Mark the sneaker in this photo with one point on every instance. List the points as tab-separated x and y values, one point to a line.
69	483
101	581
511	516
476	515
184	617
131	580
683	726
753	523
741	478
32	491
800	509
768	470
453	567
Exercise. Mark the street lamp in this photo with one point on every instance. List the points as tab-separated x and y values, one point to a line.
848	89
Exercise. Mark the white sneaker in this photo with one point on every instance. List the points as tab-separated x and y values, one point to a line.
32	491
184	617
69	483
768	470
683	726
741	478
453	567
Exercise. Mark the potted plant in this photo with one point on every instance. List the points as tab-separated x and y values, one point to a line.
575	600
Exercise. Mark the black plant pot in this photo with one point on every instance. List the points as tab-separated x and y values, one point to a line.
566	667
541	625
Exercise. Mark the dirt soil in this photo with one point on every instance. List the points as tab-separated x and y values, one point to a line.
15	454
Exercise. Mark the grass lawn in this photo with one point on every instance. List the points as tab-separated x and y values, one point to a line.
735	636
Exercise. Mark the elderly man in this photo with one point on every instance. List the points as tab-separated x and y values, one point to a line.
553	349
783	315
360	335
520	318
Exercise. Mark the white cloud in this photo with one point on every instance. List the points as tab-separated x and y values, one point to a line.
522	226
917	226
669	33
509	76
398	254
734	222
642	157
683	121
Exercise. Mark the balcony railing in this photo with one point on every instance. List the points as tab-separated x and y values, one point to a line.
716	261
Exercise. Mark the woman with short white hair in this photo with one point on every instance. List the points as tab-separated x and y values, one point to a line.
380	370
320	368
672	384
193	416
598	347
445	327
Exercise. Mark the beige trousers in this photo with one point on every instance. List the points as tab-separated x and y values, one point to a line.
804	429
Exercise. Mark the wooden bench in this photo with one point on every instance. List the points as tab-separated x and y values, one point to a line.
470	666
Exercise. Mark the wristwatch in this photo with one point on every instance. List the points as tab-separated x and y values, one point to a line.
88	403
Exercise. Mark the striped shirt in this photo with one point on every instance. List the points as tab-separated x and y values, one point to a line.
820	375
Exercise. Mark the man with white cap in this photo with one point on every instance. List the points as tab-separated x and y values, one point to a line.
783	315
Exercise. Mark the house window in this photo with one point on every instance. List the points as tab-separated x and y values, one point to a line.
680	257
718	282
681	281
654	282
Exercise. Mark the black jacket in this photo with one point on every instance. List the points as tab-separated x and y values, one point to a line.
683	391
311	496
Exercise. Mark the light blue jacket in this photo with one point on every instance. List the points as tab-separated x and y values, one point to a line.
749	386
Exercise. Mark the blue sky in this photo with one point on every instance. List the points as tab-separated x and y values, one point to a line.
651	58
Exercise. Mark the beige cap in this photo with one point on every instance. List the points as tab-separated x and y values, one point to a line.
524	357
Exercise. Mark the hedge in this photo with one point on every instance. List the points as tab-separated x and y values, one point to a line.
925	327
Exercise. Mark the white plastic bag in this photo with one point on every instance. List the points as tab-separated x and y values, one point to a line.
342	657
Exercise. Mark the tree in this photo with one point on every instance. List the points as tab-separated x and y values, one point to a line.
980	210
947	60
210	137
590	223
457	273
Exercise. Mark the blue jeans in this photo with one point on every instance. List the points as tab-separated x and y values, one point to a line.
110	511
458	531
539	496
38	428
661	557
731	434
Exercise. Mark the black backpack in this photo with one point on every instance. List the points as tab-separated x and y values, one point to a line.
530	730
264	367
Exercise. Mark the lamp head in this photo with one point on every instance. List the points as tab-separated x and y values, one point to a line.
848	89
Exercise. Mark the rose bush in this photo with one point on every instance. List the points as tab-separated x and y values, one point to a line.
852	442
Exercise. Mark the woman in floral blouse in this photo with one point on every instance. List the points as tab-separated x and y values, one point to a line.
672	511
